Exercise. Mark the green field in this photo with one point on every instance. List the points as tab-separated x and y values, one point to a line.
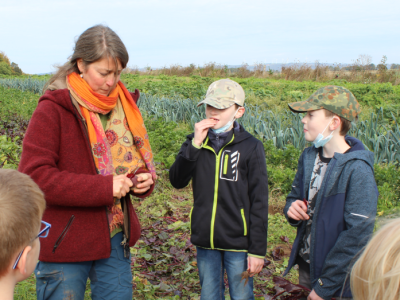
269	93
164	265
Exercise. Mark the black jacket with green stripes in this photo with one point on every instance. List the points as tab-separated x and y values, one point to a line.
230	190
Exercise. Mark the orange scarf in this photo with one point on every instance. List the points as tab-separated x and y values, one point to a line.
91	104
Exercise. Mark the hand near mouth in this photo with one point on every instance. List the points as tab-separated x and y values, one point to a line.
201	130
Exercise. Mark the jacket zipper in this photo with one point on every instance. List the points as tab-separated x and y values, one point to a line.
125	241
108	226
217	167
63	234
325	181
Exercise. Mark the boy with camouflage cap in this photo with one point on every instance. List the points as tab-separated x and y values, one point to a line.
334	195
229	217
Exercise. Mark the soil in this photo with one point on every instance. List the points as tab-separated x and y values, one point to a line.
274	209
286	249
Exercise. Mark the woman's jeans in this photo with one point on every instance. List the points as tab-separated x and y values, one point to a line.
110	278
212	263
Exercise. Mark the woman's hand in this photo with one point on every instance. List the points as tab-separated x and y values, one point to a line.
254	265
121	186
298	211
201	130
144	183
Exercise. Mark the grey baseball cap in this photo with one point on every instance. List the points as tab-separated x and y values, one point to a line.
224	93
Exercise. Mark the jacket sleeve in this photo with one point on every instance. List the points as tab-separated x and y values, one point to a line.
258	195
181	172
359	216
295	193
40	157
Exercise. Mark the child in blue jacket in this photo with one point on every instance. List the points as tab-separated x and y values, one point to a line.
334	196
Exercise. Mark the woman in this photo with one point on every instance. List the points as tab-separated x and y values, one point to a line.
85	136
376	273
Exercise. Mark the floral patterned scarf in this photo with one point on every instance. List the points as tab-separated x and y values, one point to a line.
123	148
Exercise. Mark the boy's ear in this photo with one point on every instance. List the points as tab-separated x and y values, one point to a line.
335	123
240	112
21	267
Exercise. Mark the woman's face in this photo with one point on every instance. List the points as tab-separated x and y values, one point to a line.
102	75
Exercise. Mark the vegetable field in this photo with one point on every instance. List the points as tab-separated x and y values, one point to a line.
163	261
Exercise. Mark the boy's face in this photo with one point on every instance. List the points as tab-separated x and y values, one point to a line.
222	116
315	122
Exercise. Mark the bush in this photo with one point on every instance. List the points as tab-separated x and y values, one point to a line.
5	68
281	166
166	139
387	178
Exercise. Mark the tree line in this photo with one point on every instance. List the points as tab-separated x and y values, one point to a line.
7	68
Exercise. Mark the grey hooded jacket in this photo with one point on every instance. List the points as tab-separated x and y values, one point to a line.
343	221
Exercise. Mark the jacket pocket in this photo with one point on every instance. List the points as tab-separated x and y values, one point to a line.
190	219
229	165
63	233
244	221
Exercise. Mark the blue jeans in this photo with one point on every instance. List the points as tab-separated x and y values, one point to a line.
110	278
212	263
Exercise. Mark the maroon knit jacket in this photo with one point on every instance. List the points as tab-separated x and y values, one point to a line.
57	155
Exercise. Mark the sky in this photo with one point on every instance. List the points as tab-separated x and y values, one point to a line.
37	35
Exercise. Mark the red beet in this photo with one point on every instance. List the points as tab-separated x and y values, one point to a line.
133	178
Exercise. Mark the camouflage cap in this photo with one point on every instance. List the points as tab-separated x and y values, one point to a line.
336	99
224	93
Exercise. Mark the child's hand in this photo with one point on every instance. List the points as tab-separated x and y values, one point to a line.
254	265
201	129
298	211
313	296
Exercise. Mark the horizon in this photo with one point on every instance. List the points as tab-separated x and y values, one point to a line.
277	67
250	66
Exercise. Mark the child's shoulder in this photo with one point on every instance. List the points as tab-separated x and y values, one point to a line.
243	136
251	145
359	163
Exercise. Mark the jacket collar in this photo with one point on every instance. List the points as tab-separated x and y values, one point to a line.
357	151
212	135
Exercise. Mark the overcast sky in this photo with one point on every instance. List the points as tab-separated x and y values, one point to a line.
39	34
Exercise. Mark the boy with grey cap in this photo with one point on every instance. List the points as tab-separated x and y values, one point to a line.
334	195
229	217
